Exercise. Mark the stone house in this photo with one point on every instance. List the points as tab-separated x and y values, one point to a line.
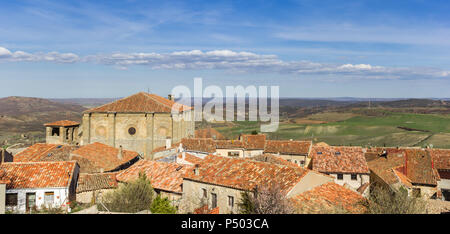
141	122
346	164
199	146
39	184
165	178
253	144
407	168
293	151
220	181
230	148
92	187
62	132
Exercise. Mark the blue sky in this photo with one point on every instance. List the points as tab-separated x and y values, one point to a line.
311	48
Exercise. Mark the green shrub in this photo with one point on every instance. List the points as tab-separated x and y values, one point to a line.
162	206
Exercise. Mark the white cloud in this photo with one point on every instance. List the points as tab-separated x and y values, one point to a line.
229	60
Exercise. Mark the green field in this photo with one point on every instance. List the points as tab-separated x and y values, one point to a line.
363	130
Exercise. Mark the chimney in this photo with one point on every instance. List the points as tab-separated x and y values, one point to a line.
170	97
120	154
168	143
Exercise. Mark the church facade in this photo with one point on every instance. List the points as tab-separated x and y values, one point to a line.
141	122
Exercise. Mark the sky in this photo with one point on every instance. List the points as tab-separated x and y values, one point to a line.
95	49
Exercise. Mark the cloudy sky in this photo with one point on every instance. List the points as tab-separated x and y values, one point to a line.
309	48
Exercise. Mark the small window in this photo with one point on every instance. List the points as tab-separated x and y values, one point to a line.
302	162
132	131
204	192
55	131
340	176
11	199
233	153
353	176
319	152
337	153
213	200
49	197
231	201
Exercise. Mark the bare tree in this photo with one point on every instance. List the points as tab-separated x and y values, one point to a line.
266	199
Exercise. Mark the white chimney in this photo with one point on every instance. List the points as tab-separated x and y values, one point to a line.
196	170
168	143
120	154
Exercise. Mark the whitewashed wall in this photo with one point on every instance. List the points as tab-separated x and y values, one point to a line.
61	197
355	184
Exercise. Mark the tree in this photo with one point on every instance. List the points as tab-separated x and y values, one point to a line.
131	197
162	206
385	201
266	199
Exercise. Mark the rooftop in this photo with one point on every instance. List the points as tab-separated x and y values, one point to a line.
208	133
35	152
287	147
92	182
38	174
327	198
245	174
252	142
140	103
338	159
229	144
206	145
100	156
62	123
162	175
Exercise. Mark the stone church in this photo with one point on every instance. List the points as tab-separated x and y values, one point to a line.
141	122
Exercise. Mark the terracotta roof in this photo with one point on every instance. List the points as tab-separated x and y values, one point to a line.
208	133
205	210
102	156
63	123
414	163
34	152
229	144
245	174
162	175
38	174
140	103
163	148
92	182
339	159
441	158
254	141
270	158
287	147
206	145
327	198
192	159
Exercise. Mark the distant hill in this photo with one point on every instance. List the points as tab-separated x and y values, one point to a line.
85	102
26	115
406	103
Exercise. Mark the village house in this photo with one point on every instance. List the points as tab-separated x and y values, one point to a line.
293	151
329	198
441	162
62	132
346	164
219	182
33	185
165	178
92	187
208	133
99	158
188	159
253	144
407	168
45	152
230	148
141	122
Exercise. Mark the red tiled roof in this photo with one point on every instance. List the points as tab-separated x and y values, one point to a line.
229	144
38	174
190	158
103	156
34	152
414	163
245	174
327	198
287	147
92	182
208	133
339	159
205	210
63	123
162	175
254	141
140	103
270	158
441	158
206	145
163	148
